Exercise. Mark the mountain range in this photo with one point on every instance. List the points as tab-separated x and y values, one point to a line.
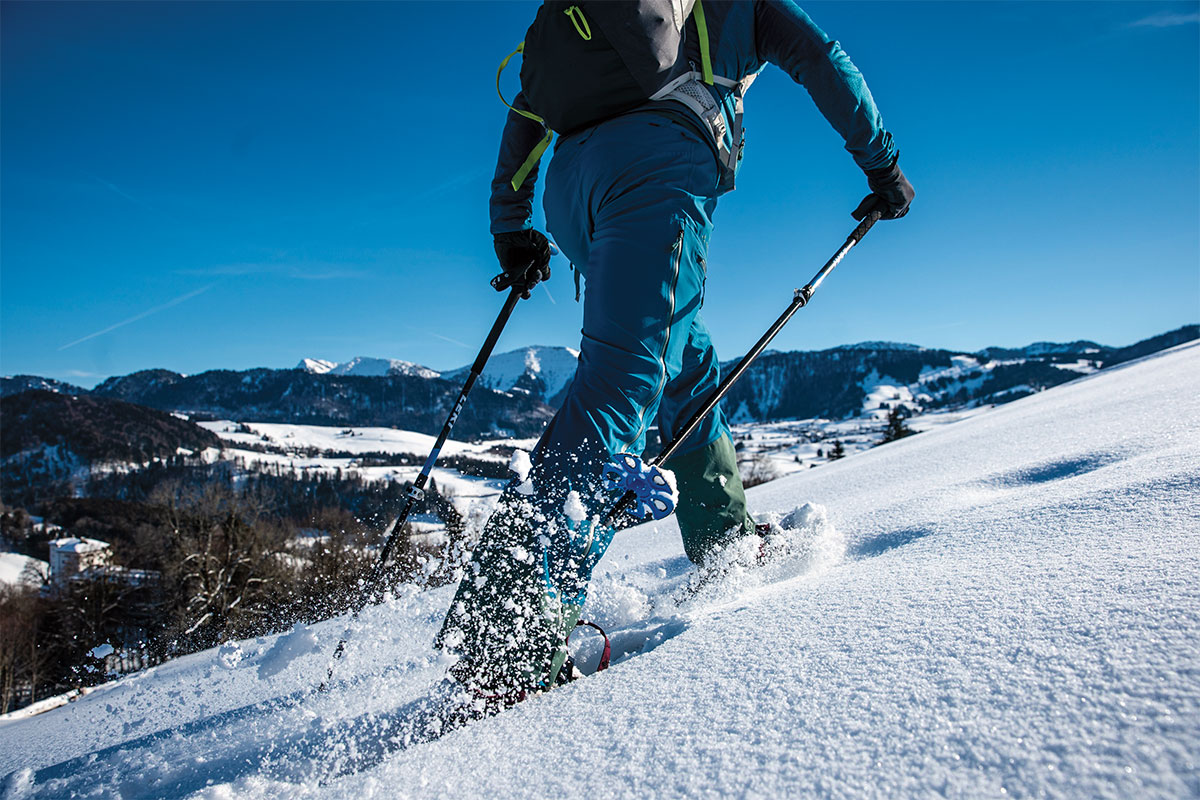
519	390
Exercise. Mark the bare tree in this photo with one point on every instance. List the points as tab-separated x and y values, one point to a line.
227	563
759	469
23	653
332	564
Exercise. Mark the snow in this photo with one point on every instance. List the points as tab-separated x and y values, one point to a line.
12	569
230	654
881	346
573	508
879	390
284	436
520	464
73	544
299	641
1082	366
305	448
317	366
1008	605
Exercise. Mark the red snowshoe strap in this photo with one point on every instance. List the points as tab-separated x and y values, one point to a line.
501	701
607	654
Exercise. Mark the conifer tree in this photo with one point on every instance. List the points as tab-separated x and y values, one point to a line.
896	429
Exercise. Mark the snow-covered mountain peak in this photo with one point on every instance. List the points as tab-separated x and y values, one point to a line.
368	367
317	366
541	372
1051	348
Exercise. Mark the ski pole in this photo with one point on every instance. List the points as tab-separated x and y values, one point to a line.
417	492
799	300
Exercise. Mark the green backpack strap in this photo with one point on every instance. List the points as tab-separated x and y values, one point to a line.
702	33
535	155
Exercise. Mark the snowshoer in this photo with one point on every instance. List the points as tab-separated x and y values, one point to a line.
630	200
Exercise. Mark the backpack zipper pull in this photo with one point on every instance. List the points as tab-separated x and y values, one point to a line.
575	14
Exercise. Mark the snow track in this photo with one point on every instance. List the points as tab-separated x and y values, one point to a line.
1006	606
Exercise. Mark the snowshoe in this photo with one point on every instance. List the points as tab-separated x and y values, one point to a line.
462	704
782	545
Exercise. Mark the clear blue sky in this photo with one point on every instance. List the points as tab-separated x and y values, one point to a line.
230	185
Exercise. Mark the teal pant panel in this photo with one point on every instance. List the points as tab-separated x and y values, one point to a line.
630	202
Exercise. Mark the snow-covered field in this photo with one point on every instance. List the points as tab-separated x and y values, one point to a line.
1007	606
787	446
283	437
790	446
16	569
307	448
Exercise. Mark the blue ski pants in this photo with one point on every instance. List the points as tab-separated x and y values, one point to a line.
630	202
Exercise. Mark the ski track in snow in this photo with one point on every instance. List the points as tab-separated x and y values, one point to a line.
1006	606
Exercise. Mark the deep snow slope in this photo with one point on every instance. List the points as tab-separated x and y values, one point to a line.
1008	606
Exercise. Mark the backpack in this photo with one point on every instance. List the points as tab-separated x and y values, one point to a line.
585	61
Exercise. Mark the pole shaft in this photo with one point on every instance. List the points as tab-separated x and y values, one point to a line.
417	491
800	300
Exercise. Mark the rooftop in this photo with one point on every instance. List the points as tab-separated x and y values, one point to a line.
75	544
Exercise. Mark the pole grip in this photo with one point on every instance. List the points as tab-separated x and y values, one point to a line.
873	216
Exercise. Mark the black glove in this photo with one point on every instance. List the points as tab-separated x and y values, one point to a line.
525	257
890	193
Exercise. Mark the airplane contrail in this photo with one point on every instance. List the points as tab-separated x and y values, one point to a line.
137	317
448	339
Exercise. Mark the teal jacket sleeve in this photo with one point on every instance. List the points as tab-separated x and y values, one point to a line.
786	37
512	210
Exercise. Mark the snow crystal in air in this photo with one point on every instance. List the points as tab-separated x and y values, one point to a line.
574	508
615	602
804	541
801	542
520	464
299	641
230	654
102	651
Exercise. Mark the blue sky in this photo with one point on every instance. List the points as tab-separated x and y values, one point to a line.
230	185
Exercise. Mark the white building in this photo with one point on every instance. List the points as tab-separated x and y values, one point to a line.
71	556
